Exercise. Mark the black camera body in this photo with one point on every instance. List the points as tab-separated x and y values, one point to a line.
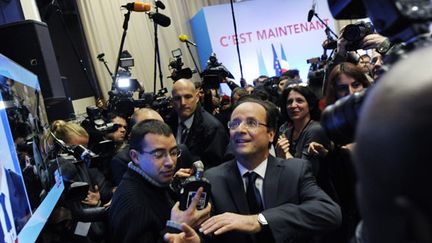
214	73
177	65
354	34
188	188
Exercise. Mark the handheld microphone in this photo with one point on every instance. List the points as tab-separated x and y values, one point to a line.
160	19
191	185
185	38
311	12
198	169
138	7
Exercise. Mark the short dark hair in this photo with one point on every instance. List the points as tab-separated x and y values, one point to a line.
136	140
310	97
272	112
292	73
348	69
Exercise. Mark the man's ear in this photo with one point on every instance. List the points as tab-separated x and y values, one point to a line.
272	135
134	155
197	96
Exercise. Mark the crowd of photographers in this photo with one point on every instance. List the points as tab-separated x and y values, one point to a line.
130	198
197	119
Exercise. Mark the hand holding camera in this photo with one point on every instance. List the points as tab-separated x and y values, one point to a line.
192	215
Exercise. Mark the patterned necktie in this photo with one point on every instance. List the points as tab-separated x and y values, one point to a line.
6	216
184	133
252	194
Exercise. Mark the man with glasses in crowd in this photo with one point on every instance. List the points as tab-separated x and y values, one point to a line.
259	198
141	205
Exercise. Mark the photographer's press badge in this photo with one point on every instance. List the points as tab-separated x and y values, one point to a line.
202	200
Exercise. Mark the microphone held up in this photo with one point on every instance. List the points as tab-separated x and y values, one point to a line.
160	4
311	12
138	6
185	38
160	19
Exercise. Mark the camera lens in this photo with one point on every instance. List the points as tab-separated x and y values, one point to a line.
340	120
352	32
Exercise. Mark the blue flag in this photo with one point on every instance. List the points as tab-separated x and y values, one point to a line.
276	64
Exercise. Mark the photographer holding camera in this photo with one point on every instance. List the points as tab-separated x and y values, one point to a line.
143	194
69	211
356	36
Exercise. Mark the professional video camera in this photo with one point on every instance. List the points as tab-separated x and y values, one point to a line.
316	68
176	65
214	73
316	75
405	23
121	100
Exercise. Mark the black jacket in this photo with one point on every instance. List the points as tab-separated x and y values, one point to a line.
139	210
207	139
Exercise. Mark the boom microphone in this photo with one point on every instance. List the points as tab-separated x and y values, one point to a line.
160	19
185	38
138	7
160	4
311	12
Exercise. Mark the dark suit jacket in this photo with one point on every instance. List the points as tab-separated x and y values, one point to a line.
207	139
294	204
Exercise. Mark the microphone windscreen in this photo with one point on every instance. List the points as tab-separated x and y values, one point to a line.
161	19
141	7
310	15
198	165
160	5
183	38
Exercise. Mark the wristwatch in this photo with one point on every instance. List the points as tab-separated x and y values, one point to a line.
262	220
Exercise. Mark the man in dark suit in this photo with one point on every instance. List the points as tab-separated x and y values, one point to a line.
202	133
260	198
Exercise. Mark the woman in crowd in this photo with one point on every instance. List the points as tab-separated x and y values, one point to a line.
299	108
100	191
345	79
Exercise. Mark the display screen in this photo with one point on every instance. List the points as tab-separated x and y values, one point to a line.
29	191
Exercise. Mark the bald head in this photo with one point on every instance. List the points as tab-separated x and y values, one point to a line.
146	114
184	83
392	155
185	98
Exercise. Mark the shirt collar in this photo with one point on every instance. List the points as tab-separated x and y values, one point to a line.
138	170
260	169
188	122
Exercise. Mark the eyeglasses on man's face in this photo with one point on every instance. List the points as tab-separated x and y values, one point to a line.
161	153
249	123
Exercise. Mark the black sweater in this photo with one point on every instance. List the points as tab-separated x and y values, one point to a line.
139	210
